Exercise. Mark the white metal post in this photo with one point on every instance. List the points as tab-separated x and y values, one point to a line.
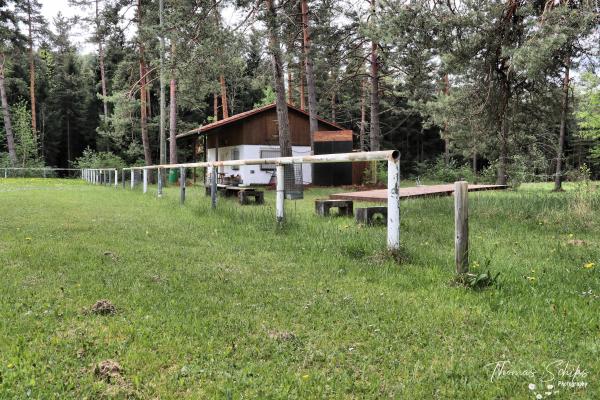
132	178
123	178
279	204
116	178
461	226
145	176
393	212
160	182
213	187
5	173
181	185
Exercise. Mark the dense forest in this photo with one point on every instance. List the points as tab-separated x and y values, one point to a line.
505	89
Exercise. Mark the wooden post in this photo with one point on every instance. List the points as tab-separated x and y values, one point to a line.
461	226
181	185
279	204
132	178
145	175
213	187
160	182
393	213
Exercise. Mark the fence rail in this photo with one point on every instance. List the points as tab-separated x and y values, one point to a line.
103	176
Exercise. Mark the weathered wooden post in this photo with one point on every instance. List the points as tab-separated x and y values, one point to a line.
132	178
213	187
160	182
279	201
145	178
461	226
393	212
181	185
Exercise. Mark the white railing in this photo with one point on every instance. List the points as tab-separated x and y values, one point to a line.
101	176
391	156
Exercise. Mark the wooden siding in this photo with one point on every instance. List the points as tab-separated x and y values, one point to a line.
262	128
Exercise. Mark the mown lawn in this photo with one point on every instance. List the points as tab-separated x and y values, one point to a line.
225	305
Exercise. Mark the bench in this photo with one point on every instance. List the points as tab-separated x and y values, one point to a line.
345	207
244	196
366	215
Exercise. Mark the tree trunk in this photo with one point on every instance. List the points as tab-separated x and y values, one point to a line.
161	126
285	145
445	129
310	76
290	87
224	96
302	96
10	138
173	111
363	117
503	136
143	93
333	106
101	62
215	107
563	126
32	74
375	133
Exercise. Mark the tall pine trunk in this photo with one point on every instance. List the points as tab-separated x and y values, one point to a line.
302	95
10	138
173	111
215	107
363	116
31	73
445	129
563	126
285	145
310	76
375	133
224	96
143	92
101	62
162	154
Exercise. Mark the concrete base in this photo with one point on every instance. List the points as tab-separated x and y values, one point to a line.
345	207
365	215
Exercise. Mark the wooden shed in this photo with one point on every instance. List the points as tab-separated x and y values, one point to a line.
254	134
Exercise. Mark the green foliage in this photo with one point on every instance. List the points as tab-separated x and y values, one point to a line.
268	97
25	142
588	113
101	159
439	171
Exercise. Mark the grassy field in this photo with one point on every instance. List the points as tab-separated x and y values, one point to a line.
225	305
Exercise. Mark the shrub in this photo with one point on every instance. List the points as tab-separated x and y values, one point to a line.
102	159
442	172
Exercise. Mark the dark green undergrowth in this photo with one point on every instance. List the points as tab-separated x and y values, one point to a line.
224	304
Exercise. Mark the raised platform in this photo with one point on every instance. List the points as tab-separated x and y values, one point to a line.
380	195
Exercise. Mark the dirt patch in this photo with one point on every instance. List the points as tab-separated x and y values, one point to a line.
109	371
103	307
282	336
111	255
576	242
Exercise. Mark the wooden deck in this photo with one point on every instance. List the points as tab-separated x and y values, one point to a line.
380	195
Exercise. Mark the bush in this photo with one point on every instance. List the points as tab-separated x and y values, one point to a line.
101	159
442	172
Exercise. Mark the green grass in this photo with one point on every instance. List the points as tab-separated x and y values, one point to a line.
203	295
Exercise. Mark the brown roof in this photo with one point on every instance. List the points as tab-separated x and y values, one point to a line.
246	114
333	136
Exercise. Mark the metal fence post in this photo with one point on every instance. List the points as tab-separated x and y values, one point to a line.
181	185
213	187
279	203
5	173
145	178
461	226
123	178
116	178
132	178
393	212
160	183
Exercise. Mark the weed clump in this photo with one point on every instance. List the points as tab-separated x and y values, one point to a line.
103	307
108	370
479	281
